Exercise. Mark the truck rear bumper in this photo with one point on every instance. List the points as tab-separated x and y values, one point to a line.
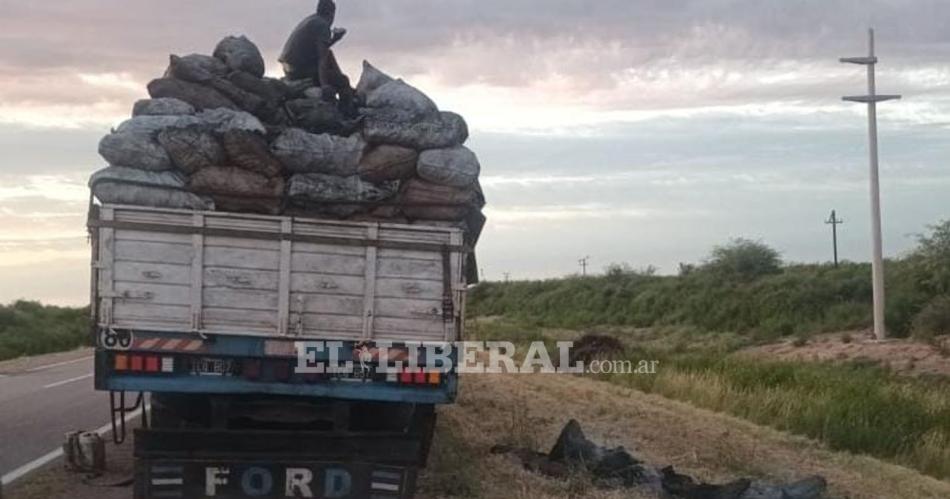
347	390
163	362
239	464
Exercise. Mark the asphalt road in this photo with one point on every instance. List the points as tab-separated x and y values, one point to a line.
39	405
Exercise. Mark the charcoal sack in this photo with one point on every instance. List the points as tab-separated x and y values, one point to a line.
444	129
135	149
303	152
132	186
386	162
235	182
240	54
455	166
162	107
192	149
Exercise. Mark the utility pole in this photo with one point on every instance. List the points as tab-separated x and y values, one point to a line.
583	263
877	261
507	275
833	221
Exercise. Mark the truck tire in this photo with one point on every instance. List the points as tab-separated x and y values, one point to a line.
423	427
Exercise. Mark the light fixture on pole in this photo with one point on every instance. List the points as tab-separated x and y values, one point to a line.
877	261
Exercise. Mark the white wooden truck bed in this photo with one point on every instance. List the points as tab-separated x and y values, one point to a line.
227	273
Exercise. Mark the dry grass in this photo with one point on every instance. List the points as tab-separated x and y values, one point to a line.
712	446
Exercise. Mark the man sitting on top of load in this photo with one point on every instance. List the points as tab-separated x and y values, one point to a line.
307	54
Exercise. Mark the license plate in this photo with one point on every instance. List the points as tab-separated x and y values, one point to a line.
213	367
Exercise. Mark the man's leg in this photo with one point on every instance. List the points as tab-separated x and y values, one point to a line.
341	83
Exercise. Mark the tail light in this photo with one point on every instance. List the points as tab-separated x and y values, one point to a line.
416	377
143	363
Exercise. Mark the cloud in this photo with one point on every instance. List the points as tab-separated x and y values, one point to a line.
62	61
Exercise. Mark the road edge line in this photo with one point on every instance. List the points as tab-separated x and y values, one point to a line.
51	456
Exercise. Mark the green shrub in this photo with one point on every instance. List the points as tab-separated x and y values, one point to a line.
933	320
29	328
744	258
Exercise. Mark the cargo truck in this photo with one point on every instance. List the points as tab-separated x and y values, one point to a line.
212	315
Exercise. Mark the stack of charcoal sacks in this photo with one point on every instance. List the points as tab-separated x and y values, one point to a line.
219	135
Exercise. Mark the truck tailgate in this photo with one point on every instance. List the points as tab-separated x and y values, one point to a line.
227	273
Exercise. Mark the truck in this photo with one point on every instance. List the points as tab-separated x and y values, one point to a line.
274	356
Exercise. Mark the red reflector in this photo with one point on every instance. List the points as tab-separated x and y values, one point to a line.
419	378
121	362
137	363
405	377
151	364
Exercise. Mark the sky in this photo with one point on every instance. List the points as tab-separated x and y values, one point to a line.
636	131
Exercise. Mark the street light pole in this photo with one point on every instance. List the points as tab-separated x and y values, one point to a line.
877	261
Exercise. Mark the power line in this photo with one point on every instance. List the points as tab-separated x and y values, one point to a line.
583	263
834	222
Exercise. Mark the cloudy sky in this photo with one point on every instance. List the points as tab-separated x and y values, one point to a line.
639	131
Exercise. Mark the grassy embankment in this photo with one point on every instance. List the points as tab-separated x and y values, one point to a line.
743	295
29	328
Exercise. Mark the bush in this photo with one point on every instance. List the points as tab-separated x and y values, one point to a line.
29	328
745	258
933	320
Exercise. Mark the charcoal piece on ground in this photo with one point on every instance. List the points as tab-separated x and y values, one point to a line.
162	107
240	54
423	200
151	125
371	79
445	129
400	95
132	186
316	115
236	182
196	68
809	488
454	166
684	486
572	446
222	120
387	162
192	148
199	96
303	152
250	151
140	150
263	206
610	467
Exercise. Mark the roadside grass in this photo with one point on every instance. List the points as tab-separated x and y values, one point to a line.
856	407
29	328
741	287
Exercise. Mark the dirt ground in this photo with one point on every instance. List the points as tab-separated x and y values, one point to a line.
904	356
529	410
